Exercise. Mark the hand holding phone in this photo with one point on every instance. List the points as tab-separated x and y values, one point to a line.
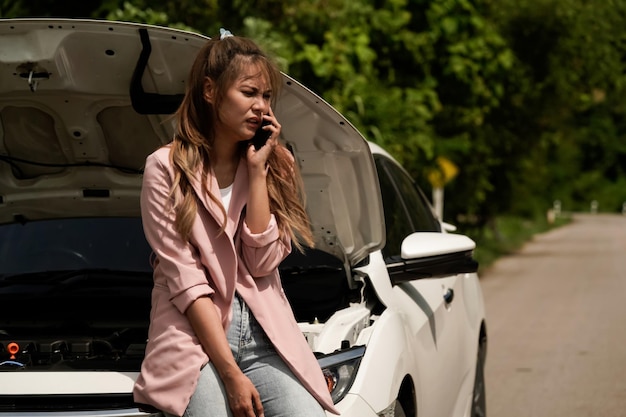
261	136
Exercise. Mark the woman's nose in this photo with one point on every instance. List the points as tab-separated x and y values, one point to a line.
261	104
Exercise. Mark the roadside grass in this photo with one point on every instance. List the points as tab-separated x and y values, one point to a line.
507	234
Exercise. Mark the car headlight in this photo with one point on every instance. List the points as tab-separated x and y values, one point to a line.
340	369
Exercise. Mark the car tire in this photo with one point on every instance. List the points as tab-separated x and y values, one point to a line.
479	401
398	410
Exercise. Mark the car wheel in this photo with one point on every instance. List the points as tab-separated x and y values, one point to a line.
398	410
479	403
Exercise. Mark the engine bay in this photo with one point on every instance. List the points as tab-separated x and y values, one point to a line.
75	293
119	351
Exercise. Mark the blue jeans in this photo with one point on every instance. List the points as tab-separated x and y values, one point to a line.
281	392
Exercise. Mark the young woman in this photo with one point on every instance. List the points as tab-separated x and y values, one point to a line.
220	216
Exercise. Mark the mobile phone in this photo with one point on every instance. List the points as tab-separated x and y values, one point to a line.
261	136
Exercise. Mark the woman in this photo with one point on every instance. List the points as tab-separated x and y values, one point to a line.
220	216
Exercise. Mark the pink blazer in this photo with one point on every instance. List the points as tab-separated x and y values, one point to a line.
211	264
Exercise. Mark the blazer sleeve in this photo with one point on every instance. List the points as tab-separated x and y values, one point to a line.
176	258
263	252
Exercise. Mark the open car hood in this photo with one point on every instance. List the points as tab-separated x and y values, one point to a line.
83	102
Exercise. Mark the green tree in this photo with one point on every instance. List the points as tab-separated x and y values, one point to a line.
524	96
570	57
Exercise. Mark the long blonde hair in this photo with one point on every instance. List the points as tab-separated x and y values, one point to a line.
222	61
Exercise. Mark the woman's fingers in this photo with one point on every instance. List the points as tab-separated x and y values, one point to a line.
243	397
258	406
274	126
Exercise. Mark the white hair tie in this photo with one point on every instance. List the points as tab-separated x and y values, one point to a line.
224	33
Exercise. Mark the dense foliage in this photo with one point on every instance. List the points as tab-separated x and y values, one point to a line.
524	97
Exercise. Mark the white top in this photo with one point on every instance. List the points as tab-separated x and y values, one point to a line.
226	193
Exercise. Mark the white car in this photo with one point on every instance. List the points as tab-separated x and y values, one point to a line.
389	300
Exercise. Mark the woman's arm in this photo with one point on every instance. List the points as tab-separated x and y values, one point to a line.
263	252
243	397
185	278
258	205
263	247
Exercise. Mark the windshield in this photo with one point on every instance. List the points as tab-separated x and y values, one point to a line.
111	243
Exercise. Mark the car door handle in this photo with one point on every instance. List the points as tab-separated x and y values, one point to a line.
448	296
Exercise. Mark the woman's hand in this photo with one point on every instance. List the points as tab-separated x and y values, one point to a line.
257	158
243	397
258	212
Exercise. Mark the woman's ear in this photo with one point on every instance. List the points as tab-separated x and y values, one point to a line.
208	89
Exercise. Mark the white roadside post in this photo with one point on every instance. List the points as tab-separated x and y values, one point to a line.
438	178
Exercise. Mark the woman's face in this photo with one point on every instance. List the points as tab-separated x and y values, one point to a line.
242	108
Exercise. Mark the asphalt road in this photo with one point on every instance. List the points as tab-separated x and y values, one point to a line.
556	323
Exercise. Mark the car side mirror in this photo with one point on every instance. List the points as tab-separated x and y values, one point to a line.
433	255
